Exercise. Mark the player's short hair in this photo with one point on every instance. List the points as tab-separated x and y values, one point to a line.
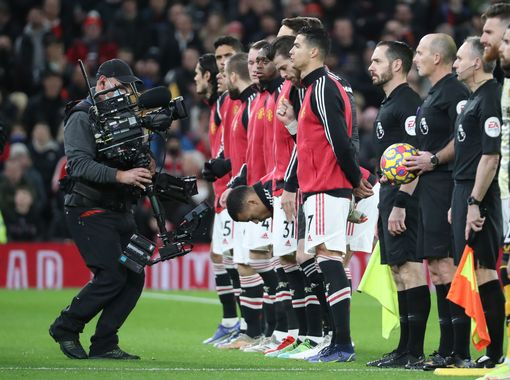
477	49
262	44
238	64
499	10
399	50
296	23
444	45
233	42
317	37
236	201
281	46
207	62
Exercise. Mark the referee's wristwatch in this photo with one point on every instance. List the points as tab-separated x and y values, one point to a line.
473	201
434	161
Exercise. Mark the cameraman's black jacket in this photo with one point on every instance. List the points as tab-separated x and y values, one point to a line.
83	167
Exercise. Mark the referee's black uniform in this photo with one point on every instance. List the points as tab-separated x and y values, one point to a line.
435	123
395	123
478	132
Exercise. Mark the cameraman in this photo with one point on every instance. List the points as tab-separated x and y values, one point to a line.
100	219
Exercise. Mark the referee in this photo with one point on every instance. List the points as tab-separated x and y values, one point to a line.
434	129
395	123
476	205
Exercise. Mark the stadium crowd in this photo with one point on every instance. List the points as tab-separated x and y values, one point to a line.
41	41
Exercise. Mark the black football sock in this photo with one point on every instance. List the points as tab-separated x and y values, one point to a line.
404	323
445	321
225	291
493	303
234	276
265	269
418	307
297	286
461	331
252	293
316	283
339	297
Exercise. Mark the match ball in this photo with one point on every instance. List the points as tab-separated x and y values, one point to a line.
392	163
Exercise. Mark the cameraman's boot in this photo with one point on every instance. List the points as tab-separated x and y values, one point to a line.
69	343
116	353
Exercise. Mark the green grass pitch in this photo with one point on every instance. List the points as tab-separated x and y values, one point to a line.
166	329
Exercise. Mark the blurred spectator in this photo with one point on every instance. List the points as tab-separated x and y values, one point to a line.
56	60
201	11
92	48
20	153
346	49
29	51
51	10
9	26
184	37
128	29
47	106
212	29
23	222
148	69
11	177
77	88
365	127
45	153
155	18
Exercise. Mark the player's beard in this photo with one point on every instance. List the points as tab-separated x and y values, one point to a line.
384	78
492	54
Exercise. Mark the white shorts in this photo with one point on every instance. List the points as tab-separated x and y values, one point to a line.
222	233
257	236
360	237
241	253
326	222
505	207
284	233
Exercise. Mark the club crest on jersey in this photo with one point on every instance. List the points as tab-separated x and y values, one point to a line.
461	135
410	125
236	108
379	131
492	127
424	128
260	113
269	115
213	127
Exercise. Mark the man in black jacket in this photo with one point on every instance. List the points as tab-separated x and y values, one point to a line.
100	219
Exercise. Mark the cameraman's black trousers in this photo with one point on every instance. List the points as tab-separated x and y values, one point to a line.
101	236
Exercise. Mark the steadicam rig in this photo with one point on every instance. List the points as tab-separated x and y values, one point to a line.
122	123
139	251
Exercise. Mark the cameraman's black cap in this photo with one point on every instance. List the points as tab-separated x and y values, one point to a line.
118	69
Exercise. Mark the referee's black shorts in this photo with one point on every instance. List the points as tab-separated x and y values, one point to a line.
434	193
486	242
399	249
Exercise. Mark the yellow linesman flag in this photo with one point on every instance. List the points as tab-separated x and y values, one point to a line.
378	282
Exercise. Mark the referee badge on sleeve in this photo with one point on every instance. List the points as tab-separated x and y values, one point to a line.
492	127
410	125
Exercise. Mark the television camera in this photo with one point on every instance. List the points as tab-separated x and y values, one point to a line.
123	123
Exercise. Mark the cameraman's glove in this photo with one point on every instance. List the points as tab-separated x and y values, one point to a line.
207	172
220	166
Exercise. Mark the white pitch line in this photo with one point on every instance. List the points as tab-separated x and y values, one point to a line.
183	369
182	298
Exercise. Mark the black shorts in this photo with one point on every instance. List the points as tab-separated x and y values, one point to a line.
399	249
486	242
434	193
301	222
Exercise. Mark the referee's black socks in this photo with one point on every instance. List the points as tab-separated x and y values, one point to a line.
404	324
493	303
445	321
418	308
